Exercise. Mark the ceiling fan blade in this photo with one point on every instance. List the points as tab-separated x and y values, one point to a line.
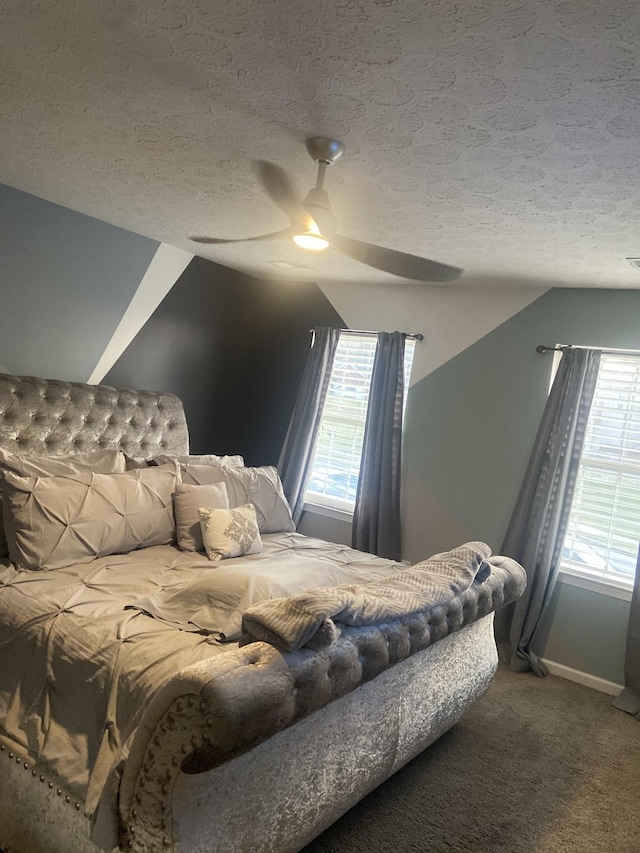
215	241
397	263
279	187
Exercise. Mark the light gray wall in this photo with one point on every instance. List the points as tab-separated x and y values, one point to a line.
65	282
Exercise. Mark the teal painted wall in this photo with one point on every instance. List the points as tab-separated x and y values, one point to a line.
65	281
470	427
586	631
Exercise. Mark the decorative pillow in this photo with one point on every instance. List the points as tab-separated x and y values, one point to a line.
205	459
187	500
100	461
260	486
53	522
230	532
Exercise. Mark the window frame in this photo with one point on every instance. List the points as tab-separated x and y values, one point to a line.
331	506
612	585
595	583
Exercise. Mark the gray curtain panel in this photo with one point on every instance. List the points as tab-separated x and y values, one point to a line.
295	459
538	524
376	518
629	699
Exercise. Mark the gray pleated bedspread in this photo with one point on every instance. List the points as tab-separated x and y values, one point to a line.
77	669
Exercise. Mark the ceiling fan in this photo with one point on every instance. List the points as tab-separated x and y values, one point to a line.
313	223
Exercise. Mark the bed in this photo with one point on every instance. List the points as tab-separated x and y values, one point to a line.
157	698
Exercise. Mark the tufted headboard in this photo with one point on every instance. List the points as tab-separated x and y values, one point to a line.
47	416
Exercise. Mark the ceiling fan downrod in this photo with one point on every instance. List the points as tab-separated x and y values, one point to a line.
322	168
324	151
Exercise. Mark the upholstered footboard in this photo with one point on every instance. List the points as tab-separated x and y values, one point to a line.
276	796
274	723
304	778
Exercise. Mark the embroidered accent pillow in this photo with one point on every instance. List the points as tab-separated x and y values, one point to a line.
260	486
54	522
187	500
230	532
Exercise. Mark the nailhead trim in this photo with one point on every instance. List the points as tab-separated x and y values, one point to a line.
39	777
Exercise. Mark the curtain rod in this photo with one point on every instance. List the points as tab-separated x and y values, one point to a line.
417	336
541	348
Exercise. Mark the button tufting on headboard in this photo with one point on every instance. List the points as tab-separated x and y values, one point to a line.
58	418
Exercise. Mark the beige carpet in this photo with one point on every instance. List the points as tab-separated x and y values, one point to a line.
537	766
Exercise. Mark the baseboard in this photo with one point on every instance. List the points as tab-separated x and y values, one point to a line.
585	678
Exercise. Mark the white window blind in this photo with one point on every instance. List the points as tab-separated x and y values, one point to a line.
604	524
336	458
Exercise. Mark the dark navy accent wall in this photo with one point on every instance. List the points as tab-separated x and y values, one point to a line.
233	348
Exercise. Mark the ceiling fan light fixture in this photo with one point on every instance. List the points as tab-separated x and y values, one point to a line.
311	241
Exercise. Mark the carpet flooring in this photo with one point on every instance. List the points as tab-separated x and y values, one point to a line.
536	766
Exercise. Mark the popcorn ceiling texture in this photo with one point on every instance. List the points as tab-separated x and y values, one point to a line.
500	136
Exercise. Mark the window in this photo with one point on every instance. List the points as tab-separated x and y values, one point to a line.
336	458
604	523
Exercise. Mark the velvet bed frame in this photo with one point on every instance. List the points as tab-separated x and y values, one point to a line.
245	751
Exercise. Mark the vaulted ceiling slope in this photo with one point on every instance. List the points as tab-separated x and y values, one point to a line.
499	135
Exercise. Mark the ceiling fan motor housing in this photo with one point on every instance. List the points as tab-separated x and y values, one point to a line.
324	149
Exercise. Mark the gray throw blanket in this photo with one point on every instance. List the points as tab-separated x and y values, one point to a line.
315	618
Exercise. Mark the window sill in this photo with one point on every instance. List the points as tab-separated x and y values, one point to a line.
612	588
328	512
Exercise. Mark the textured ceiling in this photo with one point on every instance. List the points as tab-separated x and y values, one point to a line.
501	136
